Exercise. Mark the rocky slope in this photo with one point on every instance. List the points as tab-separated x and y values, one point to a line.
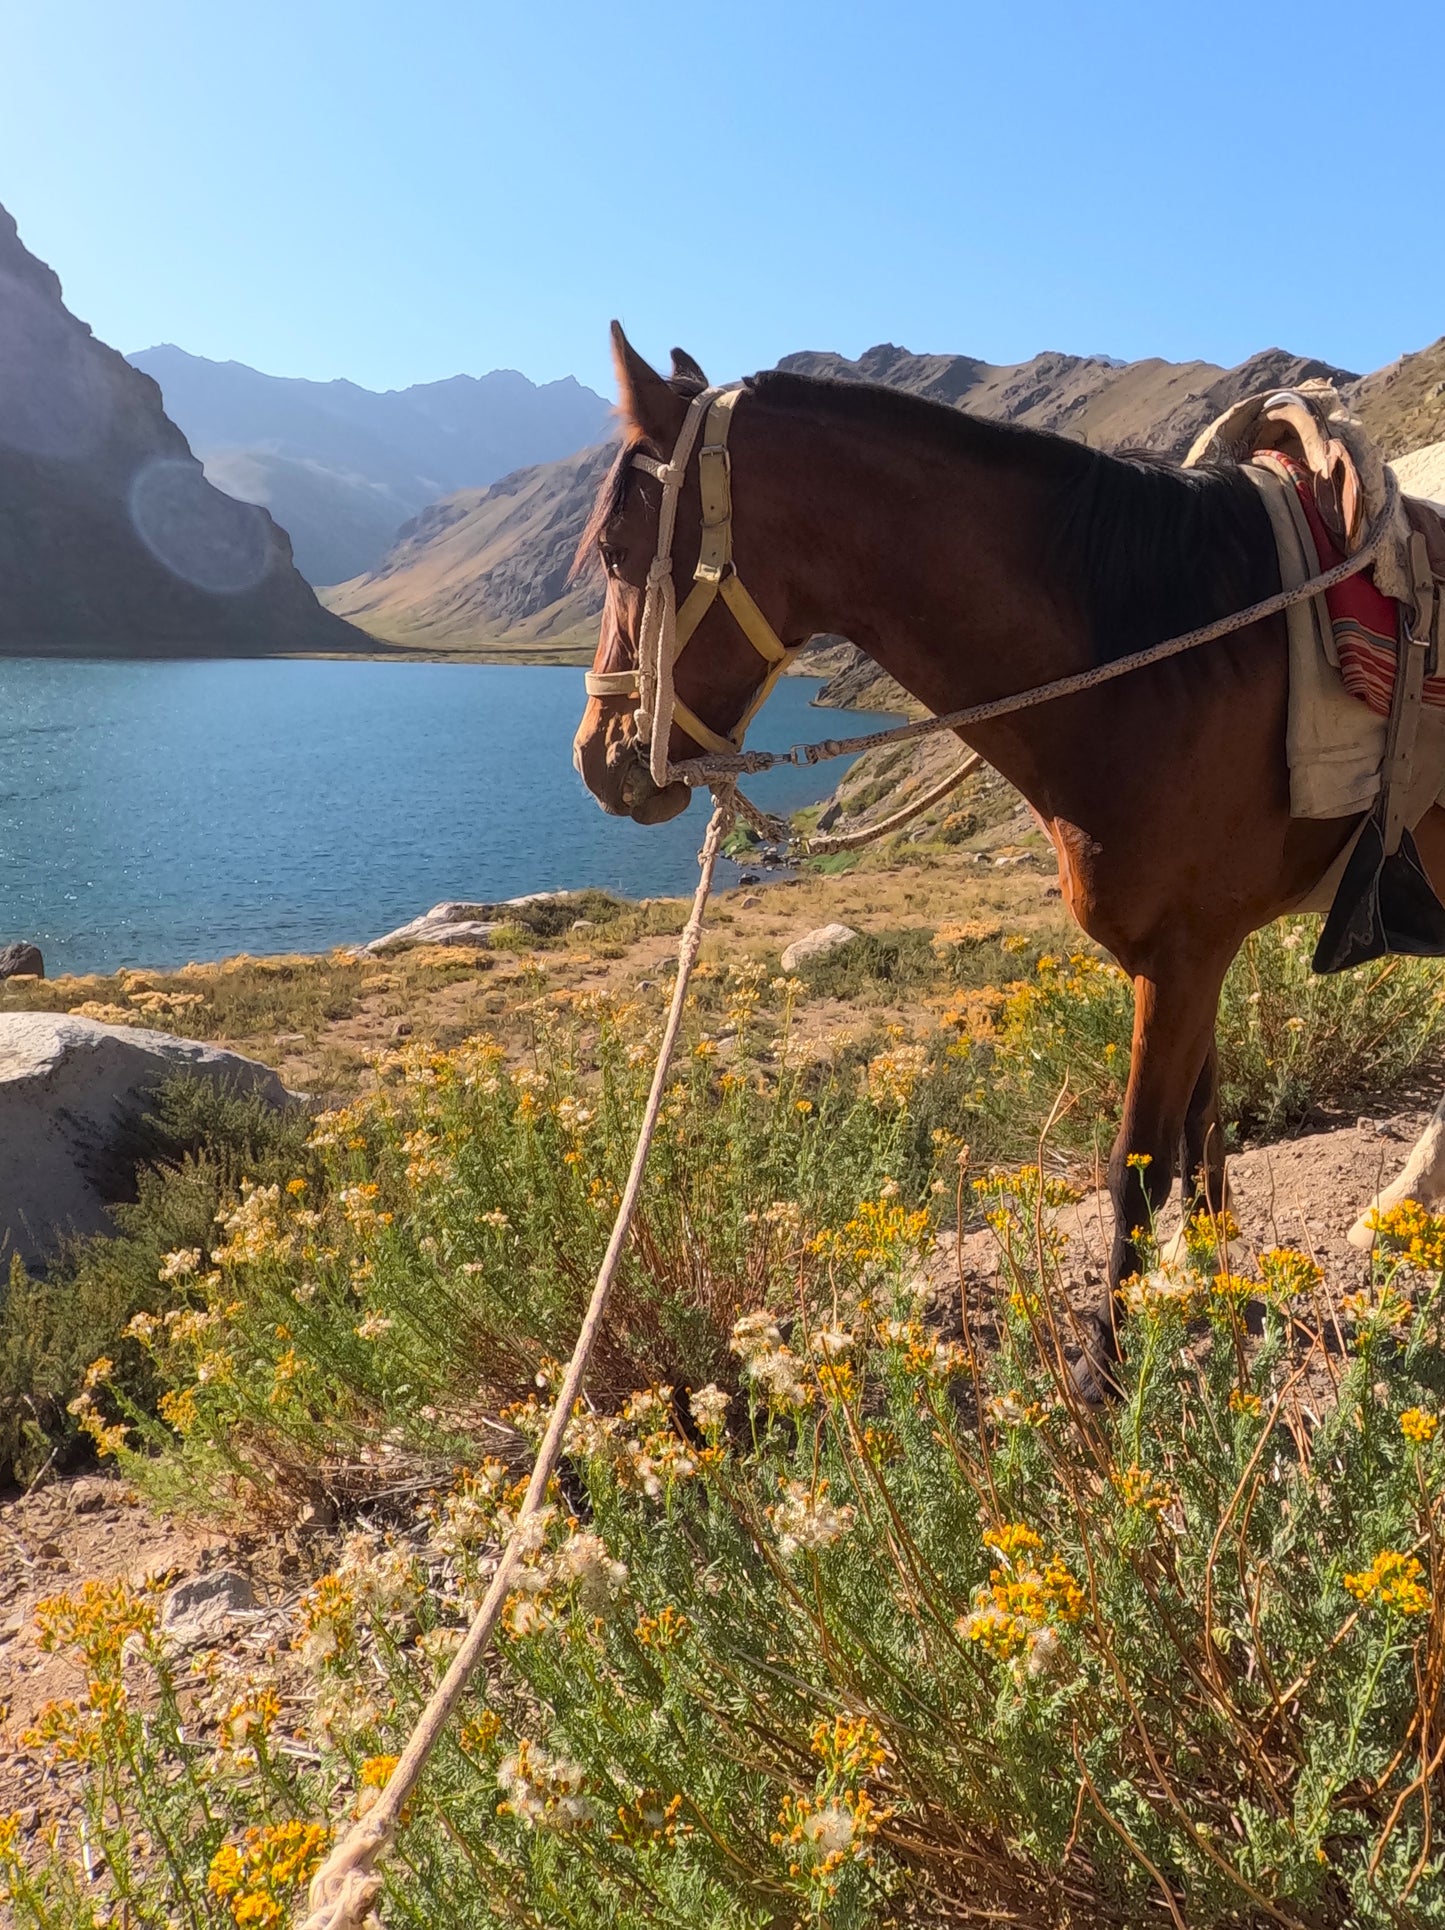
342	467
491	566
1150	404
112	542
1422	472
1403	404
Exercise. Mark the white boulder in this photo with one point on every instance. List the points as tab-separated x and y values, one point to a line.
815	944
458	923
73	1094
449	924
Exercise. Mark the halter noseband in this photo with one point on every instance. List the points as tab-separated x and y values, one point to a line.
666	630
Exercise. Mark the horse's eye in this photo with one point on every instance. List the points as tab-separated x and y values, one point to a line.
611	558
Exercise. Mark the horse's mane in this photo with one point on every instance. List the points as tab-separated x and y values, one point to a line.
1149	549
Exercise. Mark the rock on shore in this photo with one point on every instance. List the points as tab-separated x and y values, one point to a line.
73	1098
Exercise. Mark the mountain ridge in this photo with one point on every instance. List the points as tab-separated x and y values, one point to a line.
343	466
459	576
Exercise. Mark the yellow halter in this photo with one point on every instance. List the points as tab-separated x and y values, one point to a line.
666	630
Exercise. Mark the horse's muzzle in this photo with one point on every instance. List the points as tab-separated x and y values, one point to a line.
610	763
645	803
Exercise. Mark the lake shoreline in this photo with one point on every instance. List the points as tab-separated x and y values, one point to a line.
158	810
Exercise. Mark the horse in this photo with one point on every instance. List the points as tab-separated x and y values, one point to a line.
973	559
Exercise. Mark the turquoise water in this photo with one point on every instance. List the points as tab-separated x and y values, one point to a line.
152	813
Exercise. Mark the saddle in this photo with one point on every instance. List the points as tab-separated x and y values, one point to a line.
1384	630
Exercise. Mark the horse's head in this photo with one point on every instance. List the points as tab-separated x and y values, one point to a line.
725	661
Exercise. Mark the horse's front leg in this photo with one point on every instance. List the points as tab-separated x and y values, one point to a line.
1170	1099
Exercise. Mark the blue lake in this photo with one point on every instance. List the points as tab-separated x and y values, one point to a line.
152	813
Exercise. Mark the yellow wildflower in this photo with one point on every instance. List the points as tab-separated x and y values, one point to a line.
1139	1488
663	1630
1392	1581
1413	1234
260	1878
1288	1272
849	1746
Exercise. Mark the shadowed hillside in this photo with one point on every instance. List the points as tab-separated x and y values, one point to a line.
112	542
491	566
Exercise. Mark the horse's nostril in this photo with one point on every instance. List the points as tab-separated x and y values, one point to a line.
636	785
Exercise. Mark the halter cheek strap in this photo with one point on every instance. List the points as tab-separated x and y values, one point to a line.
666	630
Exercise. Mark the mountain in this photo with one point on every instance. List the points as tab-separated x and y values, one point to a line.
1149	404
487	568
1403	404
112	542
490	565
342	467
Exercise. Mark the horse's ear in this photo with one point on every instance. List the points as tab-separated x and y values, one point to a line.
652	408
686	374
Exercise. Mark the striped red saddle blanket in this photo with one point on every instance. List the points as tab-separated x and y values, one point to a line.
1365	623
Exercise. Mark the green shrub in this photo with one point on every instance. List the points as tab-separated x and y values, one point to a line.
895	1634
204	1140
1294	1044
447	1229
919	958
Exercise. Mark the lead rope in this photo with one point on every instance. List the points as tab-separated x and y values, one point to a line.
347	1884
817	845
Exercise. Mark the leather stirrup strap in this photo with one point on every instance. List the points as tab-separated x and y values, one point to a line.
1411	662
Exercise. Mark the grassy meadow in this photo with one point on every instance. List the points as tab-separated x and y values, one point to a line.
844	1613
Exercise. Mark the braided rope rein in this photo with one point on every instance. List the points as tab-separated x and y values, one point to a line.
347	1885
815	844
709	770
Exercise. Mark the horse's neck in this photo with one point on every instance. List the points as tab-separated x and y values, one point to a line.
933	565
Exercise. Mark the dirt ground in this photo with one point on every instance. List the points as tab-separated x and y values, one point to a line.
1305	1193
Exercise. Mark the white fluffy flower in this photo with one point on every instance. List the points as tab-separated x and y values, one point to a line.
542	1790
598	1577
754	1334
832	1343
709	1406
806	1520
779	1375
830	1830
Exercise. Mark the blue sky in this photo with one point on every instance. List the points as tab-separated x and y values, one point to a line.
397	192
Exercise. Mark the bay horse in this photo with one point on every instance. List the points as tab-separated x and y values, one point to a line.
971	560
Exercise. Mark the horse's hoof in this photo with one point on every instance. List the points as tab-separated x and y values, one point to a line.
1092	1373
